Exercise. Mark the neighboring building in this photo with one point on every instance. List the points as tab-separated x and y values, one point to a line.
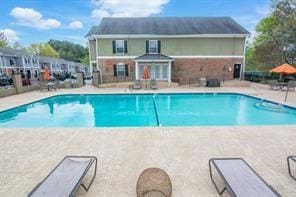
174	49
20	61
55	65
60	66
17	60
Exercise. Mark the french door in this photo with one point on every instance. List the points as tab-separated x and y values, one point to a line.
157	71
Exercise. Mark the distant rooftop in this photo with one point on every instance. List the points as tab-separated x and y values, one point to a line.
20	52
13	52
167	26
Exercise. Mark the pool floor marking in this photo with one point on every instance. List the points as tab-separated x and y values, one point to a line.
155	110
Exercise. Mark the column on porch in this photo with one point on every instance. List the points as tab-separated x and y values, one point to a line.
136	70
170	73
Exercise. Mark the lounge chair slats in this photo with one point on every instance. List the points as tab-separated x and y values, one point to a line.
65	179
240	179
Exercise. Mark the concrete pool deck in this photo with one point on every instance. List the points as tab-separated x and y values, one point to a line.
28	155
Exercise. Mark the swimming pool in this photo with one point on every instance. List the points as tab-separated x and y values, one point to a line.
132	110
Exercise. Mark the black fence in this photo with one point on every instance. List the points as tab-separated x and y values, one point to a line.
263	77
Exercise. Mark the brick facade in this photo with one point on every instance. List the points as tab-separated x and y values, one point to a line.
106	66
184	70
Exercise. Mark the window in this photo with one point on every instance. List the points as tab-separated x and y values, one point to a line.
120	68
29	61
119	45
26	60
12	62
153	46
35	73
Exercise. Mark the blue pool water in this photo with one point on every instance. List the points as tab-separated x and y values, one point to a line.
147	110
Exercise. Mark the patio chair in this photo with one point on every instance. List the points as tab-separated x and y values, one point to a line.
66	177
154	182
239	179
273	84
42	86
153	84
291	85
290	160
213	83
137	85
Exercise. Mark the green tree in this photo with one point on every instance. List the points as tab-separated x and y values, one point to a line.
42	49
285	32
85	60
3	40
16	45
68	50
251	62
276	40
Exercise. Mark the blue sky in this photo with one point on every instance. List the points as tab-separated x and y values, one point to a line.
32	21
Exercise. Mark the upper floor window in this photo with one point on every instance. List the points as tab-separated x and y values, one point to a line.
12	62
153	46
119	46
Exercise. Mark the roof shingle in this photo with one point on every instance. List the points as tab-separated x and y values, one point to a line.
167	26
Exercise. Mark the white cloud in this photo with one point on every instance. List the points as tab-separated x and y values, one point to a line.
127	8
33	18
10	35
76	25
263	10
97	13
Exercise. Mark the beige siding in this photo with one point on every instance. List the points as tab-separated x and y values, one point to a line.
92	46
180	46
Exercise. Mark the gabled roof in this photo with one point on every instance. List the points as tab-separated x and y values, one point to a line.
167	26
13	52
153	57
43	59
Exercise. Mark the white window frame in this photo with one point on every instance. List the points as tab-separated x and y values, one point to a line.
118	44
120	70
153	42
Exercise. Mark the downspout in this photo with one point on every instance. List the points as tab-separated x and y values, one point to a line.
97	62
89	56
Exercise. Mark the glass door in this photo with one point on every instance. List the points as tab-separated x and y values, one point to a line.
156	71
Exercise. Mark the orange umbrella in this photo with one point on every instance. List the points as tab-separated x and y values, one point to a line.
284	69
46	74
146	73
